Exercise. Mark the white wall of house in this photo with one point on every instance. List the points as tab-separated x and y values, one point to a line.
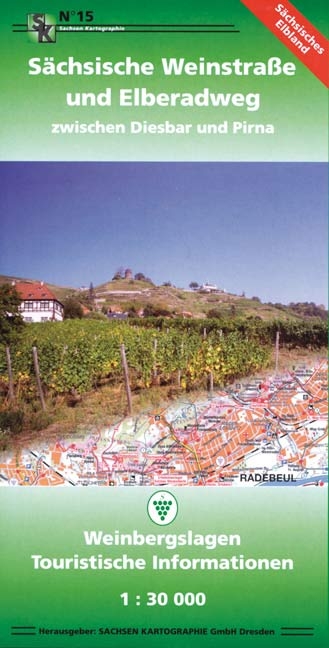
41	311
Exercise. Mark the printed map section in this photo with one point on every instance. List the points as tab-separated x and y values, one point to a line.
267	432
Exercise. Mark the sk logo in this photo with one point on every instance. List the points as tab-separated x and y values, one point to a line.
41	27
162	508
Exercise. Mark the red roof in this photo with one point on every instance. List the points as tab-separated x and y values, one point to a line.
35	290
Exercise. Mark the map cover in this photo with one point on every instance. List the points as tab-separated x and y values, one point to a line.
163	322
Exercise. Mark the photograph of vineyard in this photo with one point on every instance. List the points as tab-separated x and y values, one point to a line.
175	283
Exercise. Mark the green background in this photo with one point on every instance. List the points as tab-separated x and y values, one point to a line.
284	522
297	106
272	522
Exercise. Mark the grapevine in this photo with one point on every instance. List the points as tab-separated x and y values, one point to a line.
80	355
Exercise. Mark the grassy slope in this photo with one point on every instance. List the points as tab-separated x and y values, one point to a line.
179	301
175	300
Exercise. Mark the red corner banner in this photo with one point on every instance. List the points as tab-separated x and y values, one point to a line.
296	32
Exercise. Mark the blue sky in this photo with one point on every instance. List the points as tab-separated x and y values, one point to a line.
260	228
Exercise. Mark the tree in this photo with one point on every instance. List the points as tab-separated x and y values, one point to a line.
139	276
11	321
119	274
94	315
194	285
156	310
215	312
72	308
91	295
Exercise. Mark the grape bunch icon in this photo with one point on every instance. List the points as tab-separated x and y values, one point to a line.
162	508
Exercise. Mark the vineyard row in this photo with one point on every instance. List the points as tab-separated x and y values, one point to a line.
81	355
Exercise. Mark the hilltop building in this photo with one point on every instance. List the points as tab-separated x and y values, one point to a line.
210	288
